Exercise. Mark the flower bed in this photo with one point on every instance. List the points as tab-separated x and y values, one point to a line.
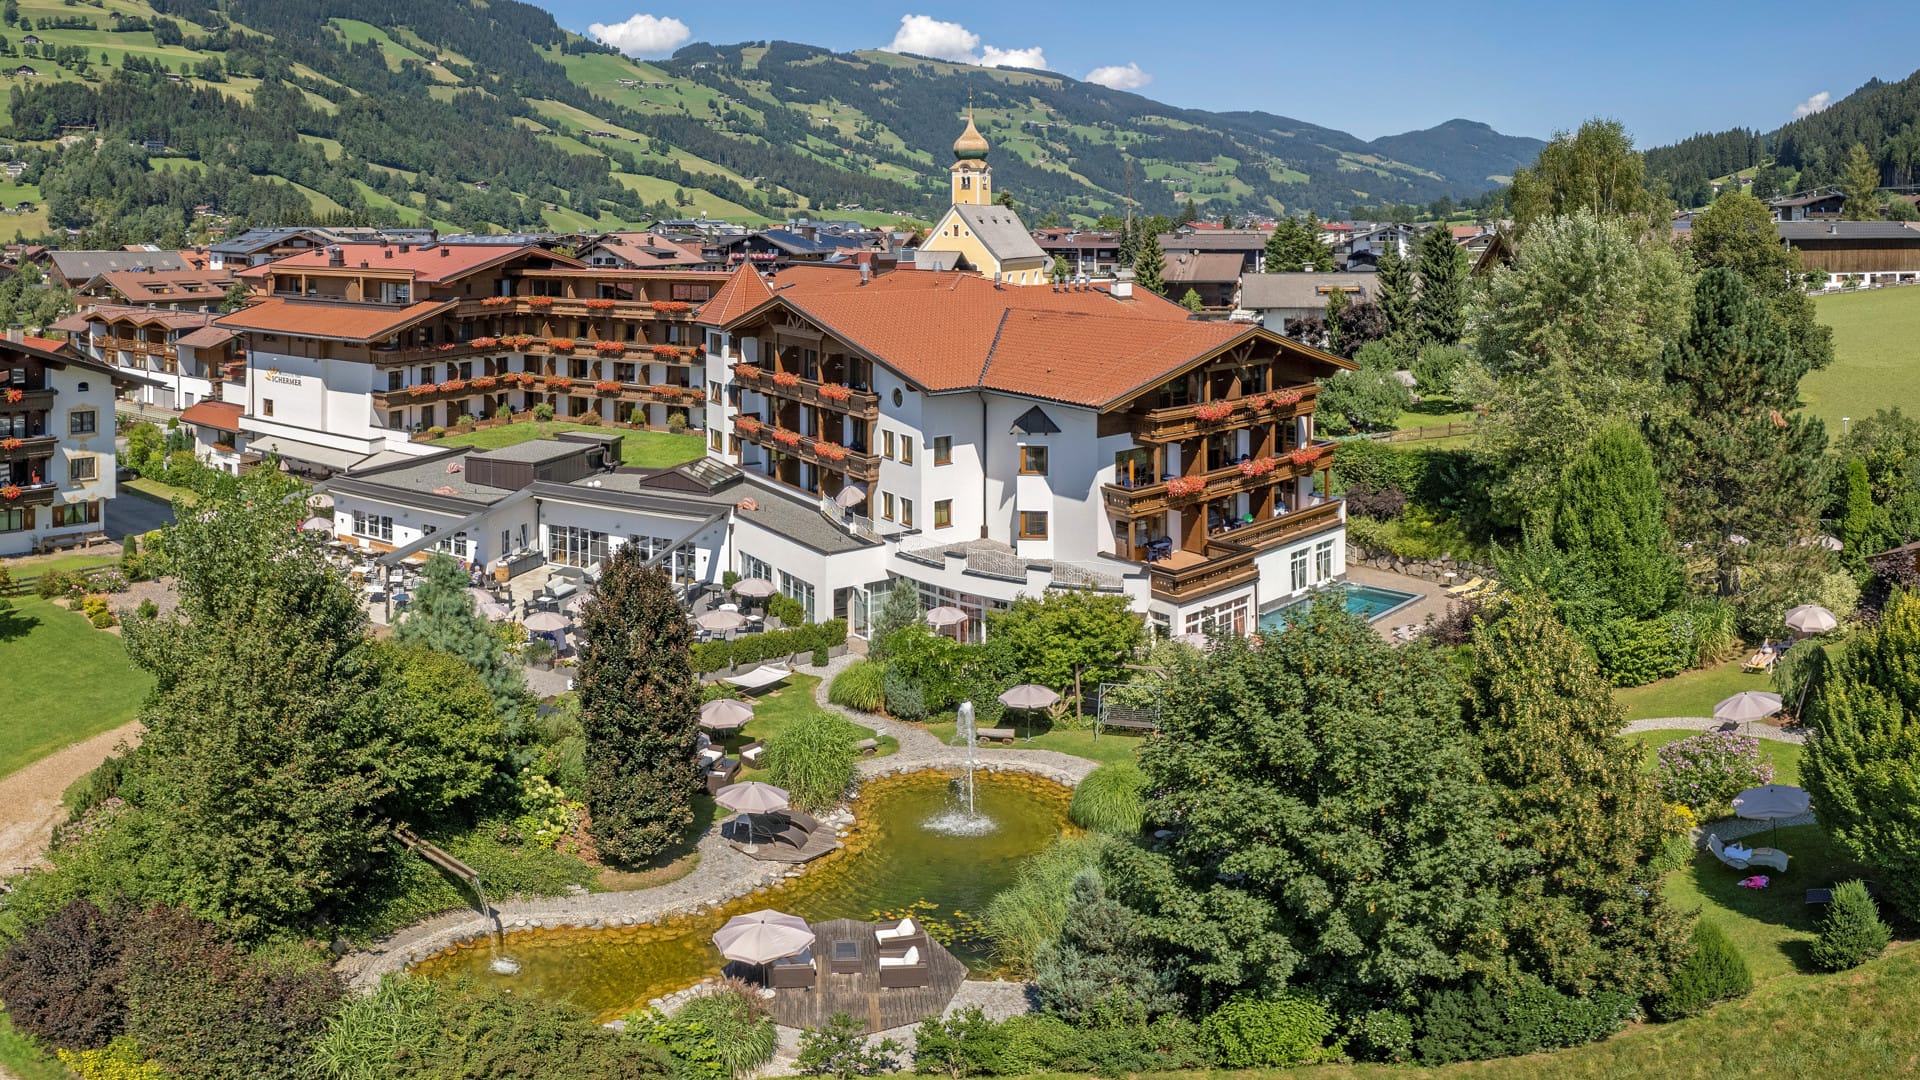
1259	466
835	392
785	378
1216	411
1181	487
1704	772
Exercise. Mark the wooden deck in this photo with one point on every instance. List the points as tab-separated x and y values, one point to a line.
860	996
820	842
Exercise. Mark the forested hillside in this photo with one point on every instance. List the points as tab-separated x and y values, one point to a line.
491	117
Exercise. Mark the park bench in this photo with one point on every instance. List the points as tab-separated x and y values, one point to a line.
867	747
994	734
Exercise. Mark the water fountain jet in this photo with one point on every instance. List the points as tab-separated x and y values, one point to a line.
961	817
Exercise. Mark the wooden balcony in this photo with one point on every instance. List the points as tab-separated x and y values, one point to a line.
1183	421
542	385
36	446
30	400
808	392
1276	532
855	465
1188	575
30	495
575	308
1146	499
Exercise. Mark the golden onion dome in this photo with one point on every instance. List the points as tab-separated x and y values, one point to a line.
971	145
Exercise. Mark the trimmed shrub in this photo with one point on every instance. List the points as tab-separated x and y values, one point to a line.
1112	799
1636	652
904	698
741	1027
60	978
1704	772
961	1045
1474	1022
1037	1043
1250	1032
812	758
862	686
677	423
1382	1035
1852	932
503	414
820	657
1713	971
773	645
543	412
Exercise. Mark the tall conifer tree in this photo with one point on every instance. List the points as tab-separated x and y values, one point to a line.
1612	518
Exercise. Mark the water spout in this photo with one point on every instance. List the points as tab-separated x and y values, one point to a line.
963	818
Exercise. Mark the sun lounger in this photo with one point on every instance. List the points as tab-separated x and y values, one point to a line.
801	819
1472	586
1763	856
905	928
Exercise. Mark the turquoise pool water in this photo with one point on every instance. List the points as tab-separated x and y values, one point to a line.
1370	602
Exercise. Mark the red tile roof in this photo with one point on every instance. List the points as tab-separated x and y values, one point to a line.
206	337
951	331
333	320
223	415
136	314
438	263
644	249
745	290
167	285
47	343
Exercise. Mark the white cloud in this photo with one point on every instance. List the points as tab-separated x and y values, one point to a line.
1119	77
924	35
1814	104
642	35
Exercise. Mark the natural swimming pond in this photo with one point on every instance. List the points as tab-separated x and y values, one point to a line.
1369	602
891	860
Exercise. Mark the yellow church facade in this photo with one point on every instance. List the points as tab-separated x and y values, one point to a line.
978	235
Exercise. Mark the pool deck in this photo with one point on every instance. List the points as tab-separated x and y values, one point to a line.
1432	598
860	995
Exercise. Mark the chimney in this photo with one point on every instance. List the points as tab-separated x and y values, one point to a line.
335	256
1122	285
16	332
445	251
1833	229
404	248
386	253
866	273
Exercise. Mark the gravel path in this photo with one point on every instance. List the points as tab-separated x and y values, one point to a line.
31	797
1707	723
723	874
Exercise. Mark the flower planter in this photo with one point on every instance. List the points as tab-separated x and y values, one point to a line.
1186	487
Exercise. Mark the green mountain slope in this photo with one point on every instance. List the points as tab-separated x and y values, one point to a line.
488	116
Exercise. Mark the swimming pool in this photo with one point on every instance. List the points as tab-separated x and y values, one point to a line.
1370	602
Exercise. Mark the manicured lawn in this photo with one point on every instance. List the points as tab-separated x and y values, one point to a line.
71	681
640	449
1873	335
784	704
1111	746
1784	756
154	489
1432	412
1773	925
1690	693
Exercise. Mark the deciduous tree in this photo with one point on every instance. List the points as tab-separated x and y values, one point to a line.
1070	640
1369	397
1595	170
639	706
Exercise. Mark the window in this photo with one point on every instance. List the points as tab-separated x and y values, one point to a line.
83	468
886	505
83	422
1297	565
906	449
576	547
942	513
751	567
1033	524
373	526
713	390
86	513
943	449
886	444
906	512
692	293
1033	461
713	440
1323	560
1230	617
16	520
266	406
455	545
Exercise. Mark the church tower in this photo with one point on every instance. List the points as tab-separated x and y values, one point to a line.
972	177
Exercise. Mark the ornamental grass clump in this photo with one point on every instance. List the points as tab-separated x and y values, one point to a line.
1112	799
742	1029
812	758
1704	772
862	686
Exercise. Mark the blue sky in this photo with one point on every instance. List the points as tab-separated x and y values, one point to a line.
1666	69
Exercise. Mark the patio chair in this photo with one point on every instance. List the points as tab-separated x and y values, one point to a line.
721	773
906	971
900	931
751	753
793	972
1762	856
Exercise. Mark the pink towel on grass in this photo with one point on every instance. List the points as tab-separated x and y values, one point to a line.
1757	881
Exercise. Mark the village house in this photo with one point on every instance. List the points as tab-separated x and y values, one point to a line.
1274	300
1874	252
56	446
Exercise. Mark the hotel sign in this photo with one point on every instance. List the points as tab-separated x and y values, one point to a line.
275	375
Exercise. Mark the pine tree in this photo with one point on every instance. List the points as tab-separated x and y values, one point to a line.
1395	298
1857	522
1861	182
1737	232
1192	302
899	610
1852	932
1189	213
1736	455
441	617
1129	242
1149	265
1336	320
1612	517
639	705
1583	909
1440	309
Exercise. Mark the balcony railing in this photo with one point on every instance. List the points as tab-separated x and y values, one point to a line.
1143	499
1178	422
37	398
1225	565
40	494
812	392
460	389
23	448
854	463
578	308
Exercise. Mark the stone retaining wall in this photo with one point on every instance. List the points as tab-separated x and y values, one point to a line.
1435	570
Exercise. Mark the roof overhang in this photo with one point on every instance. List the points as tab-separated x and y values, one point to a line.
1252	333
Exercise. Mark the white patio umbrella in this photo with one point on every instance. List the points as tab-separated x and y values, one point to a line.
761	937
1747	705
719	622
850	496
481	596
750	798
944	616
1811	619
1771	802
757	588
1029	696
546	622
493	612
725	714
317	524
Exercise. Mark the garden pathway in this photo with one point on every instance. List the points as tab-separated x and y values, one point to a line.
1728	828
31	796
723	873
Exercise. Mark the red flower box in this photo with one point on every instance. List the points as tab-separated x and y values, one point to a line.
483	382
496	301
10	443
517	341
15	397
785	437
665	390
447	346
10	492
1305	455
785	378
1283	399
610	348
835	392
746	371
671	306
453	385
601	304
1258	466
540	301
484	342
606	386
1181	487
747	424
559	382
422	390
1218	410
830	451
560	344
665	352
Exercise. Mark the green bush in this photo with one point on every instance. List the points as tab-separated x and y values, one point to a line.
1418	533
861	686
1633	653
1250	1032
1039	1043
53	583
1475	1022
1112	799
820	656
94	788
503	414
543	412
1852	932
677	423
1382	1035
436	432
961	1045
790	612
812	757
1028	914
742	1029
905	701
749	649
1713	971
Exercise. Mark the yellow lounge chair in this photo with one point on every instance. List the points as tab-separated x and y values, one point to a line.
1469	588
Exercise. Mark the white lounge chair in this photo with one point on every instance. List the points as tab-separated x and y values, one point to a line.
1763	856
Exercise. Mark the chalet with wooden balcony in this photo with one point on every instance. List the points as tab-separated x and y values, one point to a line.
56	447
167	358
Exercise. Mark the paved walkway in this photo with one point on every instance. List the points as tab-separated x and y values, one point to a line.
723	874
31	797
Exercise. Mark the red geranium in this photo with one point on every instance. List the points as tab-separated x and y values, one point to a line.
785	437
606	386
830	451
484	342
560	344
748	424
1305	455
785	378
15	397
10	492
422	390
1258	466
1185	486
665	390
671	306
746	371
835	392
540	301
601	304
1218	410
610	348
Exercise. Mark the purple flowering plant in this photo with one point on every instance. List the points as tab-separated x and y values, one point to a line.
1705	771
